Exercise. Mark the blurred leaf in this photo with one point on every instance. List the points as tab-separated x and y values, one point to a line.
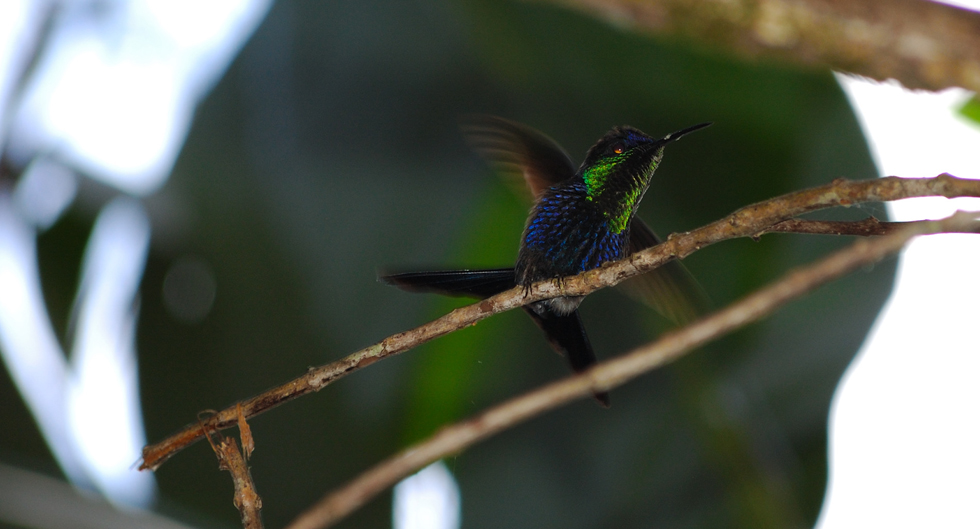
971	109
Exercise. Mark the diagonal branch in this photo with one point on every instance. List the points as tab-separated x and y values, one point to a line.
862	228
611	373
923	44
750	221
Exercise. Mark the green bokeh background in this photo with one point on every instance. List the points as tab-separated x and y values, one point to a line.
331	150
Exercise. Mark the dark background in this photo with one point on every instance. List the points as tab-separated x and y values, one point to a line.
331	150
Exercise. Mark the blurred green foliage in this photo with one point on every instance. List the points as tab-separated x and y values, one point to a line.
971	109
330	151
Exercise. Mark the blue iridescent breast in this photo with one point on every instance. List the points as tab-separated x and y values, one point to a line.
567	234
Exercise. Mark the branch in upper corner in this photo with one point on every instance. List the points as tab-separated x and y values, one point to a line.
750	221
611	373
921	44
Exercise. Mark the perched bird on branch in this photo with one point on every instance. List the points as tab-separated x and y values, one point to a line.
580	220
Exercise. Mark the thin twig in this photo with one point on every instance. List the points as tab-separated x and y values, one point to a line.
230	458
247	500
868	227
611	373
750	221
921	44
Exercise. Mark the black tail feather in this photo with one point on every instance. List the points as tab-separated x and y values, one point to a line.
471	283
566	334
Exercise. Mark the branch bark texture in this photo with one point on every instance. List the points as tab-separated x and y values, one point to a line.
922	44
750	221
246	497
611	373
863	228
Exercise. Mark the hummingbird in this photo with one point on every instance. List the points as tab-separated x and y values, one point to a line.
581	219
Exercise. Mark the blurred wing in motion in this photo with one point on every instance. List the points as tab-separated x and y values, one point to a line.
670	289
516	149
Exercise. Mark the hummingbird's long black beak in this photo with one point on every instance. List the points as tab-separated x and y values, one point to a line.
674	136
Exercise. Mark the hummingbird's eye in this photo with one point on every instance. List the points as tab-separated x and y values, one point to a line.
618	148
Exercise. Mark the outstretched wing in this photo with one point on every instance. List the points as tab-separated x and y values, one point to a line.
524	152
670	289
513	148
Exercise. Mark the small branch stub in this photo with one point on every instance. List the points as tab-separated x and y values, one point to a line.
230	458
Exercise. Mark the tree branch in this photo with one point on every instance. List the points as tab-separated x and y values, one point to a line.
920	43
862	228
611	373
246	498
750	221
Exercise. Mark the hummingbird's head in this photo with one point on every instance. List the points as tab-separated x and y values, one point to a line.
625	156
622	154
617	170
617	146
